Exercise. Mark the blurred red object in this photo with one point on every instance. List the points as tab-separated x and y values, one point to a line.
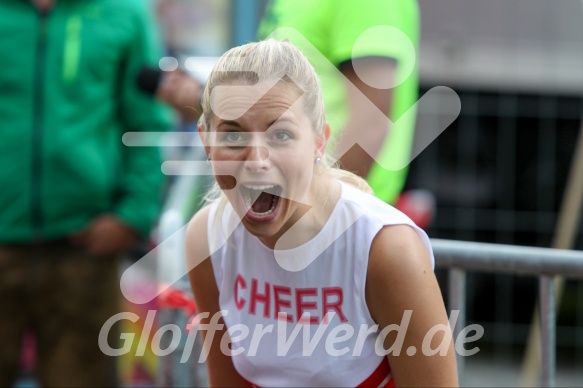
177	299
419	205
28	352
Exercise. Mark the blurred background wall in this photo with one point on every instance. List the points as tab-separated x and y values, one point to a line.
499	172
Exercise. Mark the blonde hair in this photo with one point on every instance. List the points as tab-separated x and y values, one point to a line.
268	60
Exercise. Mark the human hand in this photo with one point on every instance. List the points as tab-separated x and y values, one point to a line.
182	92
106	235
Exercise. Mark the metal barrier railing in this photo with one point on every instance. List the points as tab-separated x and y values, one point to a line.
544	263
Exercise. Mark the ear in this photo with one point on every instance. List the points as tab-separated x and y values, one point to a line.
204	138
322	141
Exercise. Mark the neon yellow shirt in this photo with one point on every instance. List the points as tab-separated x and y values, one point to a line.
339	30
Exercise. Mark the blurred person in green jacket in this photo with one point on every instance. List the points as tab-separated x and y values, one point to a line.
73	198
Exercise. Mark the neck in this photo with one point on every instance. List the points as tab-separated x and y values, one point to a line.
309	220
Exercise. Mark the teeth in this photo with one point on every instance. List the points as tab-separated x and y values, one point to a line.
259	187
248	200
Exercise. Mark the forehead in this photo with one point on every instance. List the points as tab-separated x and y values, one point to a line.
233	102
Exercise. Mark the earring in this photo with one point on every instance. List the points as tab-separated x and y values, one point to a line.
318	160
208	160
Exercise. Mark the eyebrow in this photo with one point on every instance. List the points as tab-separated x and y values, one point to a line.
283	118
229	123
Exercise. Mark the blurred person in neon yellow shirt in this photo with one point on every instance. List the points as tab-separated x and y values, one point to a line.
369	42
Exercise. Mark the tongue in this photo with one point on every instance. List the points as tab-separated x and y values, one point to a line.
263	203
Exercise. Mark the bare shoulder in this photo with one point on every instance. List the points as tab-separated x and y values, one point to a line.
196	241
198	222
400	273
196	236
198	263
401	289
397	249
221	370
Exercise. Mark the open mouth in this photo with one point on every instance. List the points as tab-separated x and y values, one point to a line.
261	200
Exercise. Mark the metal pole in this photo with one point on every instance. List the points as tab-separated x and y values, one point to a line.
244	21
457	300
564	238
472	256
548	325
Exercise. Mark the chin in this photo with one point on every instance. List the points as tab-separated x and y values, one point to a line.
264	232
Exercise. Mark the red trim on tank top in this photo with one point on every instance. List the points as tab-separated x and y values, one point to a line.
376	380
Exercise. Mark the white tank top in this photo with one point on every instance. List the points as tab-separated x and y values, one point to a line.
326	275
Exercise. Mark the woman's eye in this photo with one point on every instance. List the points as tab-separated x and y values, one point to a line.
282	135
233	138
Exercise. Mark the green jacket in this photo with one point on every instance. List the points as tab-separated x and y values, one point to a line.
67	95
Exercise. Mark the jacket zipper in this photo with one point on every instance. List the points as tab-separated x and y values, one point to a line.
38	124
72	48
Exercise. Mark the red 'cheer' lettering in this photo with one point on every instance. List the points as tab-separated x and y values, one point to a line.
279	302
294	302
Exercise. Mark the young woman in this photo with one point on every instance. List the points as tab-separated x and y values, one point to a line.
301	276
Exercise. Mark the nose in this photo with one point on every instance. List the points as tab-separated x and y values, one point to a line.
257	156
